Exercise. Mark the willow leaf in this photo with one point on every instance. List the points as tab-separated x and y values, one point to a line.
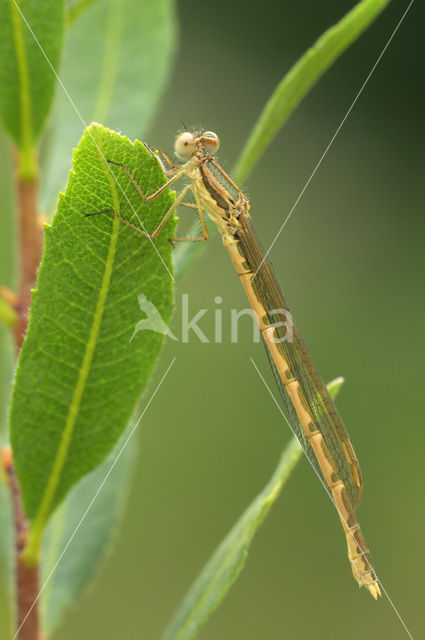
79	375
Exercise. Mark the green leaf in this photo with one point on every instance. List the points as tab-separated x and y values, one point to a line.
7	278
75	9
117	58
303	75
6	375
228	560
148	32
286	97
69	562
7	215
26	79
6	560
78	375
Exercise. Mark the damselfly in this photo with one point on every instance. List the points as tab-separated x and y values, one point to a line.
310	410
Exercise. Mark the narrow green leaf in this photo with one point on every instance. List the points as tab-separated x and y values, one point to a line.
228	560
6	375
303	75
68	574
7	215
7	239
117	58
286	97
7	582
75	9
78	374
26	80
334	386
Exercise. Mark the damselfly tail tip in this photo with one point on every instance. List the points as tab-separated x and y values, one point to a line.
374	590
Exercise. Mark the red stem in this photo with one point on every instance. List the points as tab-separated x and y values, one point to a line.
26	577
30	248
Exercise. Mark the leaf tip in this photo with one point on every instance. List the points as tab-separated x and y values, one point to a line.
335	385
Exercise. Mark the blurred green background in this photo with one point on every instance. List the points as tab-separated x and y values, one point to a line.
351	263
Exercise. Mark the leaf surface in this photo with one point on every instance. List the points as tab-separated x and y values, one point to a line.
78	375
116	61
26	79
73	550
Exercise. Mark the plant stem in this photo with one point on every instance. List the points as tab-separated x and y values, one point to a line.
30	248
26	577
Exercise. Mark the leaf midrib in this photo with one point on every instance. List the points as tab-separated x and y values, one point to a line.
23	75
32	550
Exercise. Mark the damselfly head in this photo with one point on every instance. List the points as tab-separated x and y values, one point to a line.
185	145
209	141
188	143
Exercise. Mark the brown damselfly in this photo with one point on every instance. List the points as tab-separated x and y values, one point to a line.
310	411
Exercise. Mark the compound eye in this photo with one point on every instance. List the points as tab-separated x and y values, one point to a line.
185	145
211	141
